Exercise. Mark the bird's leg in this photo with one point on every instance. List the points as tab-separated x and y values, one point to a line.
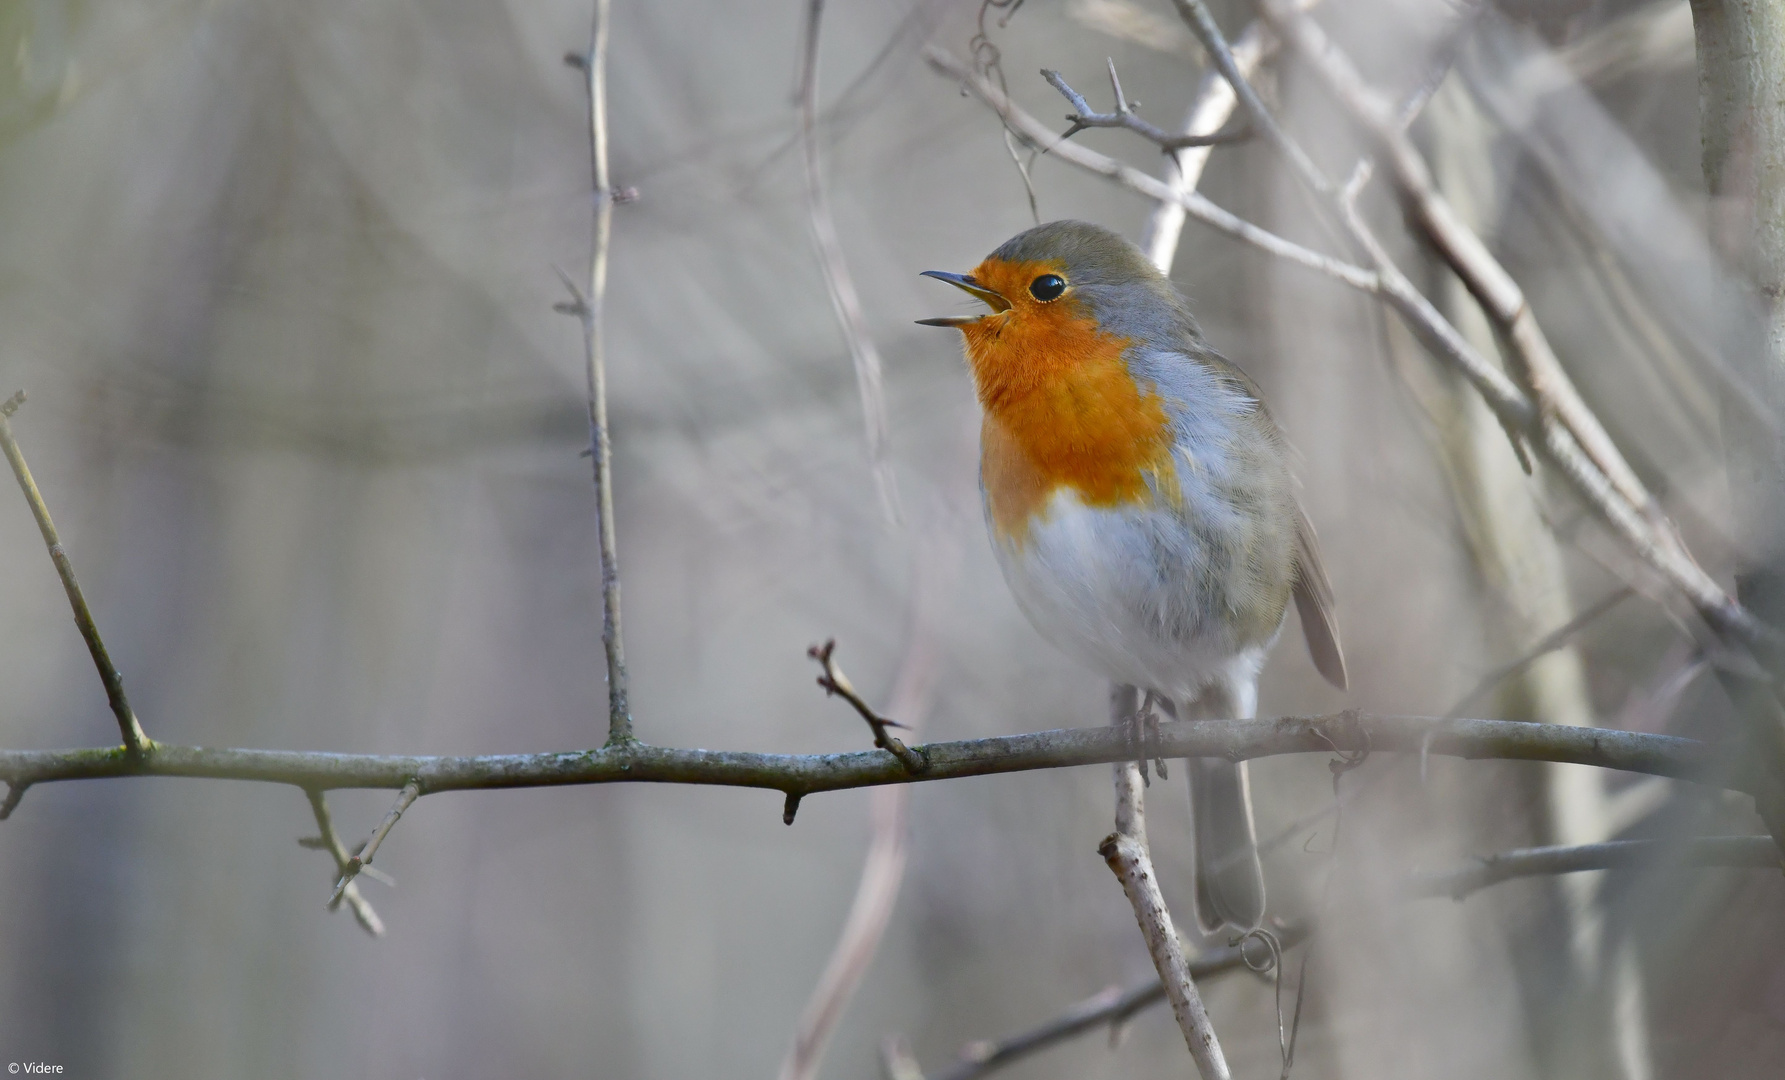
1151	724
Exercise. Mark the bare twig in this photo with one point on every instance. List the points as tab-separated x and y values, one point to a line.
363	857
805	774
1756	851
1124	116
1196	205
835	682
328	840
883	870
1494	288
1549	643
589	306
1125	850
845	301
135	742
1208	114
1111	1007
1650	538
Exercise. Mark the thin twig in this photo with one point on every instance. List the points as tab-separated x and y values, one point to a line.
1208	114
805	774
1125	850
1549	643
1493	287
328	840
589	305
1039	135
835	682
363	857
135	741
1124	117
1755	851
1111	1007
1651	538
883	870
845	301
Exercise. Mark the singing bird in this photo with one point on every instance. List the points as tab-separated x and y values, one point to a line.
1141	504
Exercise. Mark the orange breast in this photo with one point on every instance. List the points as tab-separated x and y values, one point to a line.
1061	409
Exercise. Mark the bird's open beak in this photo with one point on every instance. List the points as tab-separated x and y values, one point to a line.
965	284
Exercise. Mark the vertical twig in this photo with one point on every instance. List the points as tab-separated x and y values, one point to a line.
589	305
1125	850
845	301
135	741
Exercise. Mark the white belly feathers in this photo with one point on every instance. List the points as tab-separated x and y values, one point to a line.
1130	593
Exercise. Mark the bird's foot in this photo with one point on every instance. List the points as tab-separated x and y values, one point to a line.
1143	735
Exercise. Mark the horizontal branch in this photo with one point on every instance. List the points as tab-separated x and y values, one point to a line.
802	774
1755	851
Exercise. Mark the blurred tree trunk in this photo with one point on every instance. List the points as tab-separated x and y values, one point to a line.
1741	92
1741	86
1595	1027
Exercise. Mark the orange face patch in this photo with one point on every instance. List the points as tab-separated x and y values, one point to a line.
1061	409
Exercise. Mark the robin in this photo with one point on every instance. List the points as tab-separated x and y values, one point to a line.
1141	505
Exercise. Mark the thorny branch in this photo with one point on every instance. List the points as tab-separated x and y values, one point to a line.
805	774
836	683
1124	116
326	839
135	741
362	859
889	812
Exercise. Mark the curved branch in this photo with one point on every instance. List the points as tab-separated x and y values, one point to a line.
803	774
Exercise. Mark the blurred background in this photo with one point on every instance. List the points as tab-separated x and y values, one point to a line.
278	279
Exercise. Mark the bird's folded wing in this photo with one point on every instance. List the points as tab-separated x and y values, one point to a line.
1314	603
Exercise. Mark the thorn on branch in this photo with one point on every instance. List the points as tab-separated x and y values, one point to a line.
360	860
329	841
1125	116
790	807
576	60
577	305
15	791
836	683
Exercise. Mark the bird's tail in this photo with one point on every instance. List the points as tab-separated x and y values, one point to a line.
1229	878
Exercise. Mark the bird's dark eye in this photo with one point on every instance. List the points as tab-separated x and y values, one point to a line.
1047	287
